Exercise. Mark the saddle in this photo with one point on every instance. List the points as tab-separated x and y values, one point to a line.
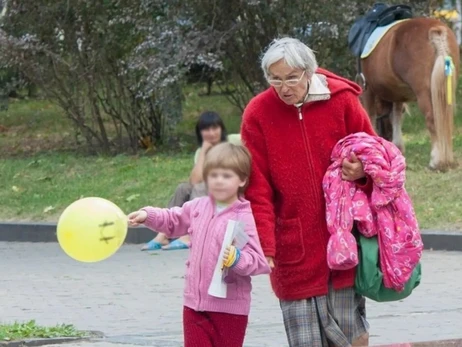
380	15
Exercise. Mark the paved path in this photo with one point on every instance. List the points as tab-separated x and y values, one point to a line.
135	298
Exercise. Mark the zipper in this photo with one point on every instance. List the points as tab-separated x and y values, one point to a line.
308	156
207	232
305	139
199	267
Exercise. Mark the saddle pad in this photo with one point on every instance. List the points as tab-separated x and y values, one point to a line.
375	37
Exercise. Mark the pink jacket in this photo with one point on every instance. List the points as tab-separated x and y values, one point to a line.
387	212
206	228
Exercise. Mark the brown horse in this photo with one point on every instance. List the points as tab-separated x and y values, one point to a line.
408	64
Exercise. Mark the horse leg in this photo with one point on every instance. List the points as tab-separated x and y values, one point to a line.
397	122
380	113
384	119
369	103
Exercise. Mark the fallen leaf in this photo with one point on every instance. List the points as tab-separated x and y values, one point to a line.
132	197
48	209
15	189
34	162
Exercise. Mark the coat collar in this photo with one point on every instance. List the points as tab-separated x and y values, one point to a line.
319	89
240	204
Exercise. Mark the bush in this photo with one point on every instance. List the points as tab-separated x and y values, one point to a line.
107	64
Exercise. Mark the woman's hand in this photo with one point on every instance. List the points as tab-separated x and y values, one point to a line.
196	174
136	218
206	146
352	169
270	261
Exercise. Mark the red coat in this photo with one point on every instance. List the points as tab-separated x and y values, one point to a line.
290	157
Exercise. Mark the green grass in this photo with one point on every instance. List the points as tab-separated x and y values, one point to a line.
38	179
32	126
28	330
436	195
40	188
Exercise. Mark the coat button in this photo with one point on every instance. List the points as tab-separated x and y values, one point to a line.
190	230
187	262
196	214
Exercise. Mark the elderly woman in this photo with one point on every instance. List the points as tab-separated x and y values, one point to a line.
290	130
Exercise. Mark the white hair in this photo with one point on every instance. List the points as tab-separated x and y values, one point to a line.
294	52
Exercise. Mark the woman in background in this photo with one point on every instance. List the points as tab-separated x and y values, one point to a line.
210	131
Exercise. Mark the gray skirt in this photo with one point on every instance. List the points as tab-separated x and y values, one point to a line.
336	319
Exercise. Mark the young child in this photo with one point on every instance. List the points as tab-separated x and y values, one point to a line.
210	321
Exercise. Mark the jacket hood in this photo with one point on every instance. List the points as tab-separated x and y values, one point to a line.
337	84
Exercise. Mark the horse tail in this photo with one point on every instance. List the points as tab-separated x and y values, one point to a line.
443	87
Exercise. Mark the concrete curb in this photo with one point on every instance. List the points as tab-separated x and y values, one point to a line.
41	342
46	232
92	335
440	343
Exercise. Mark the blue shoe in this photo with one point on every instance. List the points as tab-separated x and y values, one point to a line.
152	245
174	245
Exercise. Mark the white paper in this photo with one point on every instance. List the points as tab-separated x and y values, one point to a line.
240	238
234	230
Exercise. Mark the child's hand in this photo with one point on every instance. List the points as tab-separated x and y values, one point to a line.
136	218
230	256
226	254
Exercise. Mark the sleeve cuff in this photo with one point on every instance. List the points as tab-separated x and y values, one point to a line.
151	218
269	252
241	263
365	184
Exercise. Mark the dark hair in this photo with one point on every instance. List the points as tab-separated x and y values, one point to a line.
210	119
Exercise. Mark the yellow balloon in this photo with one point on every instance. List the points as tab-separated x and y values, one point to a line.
91	229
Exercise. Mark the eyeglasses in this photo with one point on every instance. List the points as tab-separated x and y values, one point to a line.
289	83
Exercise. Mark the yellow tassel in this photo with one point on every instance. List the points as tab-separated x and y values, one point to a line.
448	71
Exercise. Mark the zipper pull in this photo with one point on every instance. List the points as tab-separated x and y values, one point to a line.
300	115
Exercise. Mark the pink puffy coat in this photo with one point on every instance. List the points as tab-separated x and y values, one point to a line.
387	212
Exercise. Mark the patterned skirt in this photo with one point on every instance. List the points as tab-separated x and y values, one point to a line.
336	319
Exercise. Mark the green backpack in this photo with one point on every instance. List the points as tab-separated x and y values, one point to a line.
369	277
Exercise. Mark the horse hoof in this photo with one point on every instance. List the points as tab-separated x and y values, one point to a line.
443	167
